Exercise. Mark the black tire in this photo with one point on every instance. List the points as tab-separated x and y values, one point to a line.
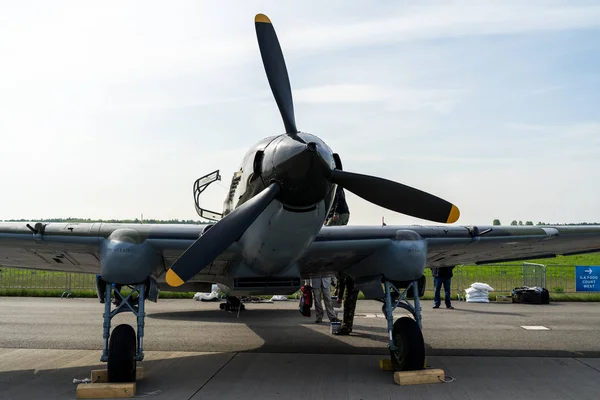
408	338
233	308
234	302
122	347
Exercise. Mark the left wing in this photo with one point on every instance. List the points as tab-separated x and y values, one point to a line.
75	247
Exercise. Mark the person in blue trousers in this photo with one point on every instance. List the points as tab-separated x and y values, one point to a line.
442	276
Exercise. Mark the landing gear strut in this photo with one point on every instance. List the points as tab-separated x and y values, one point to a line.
122	348
232	304
406	345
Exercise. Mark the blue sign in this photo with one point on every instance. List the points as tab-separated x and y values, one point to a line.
587	279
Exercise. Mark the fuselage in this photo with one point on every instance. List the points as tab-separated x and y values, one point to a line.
283	231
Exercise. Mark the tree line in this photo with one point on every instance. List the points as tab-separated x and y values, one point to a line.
197	222
115	221
515	222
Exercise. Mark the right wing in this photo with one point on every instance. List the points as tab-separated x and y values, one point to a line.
339	247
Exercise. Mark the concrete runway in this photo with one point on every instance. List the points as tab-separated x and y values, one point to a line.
194	350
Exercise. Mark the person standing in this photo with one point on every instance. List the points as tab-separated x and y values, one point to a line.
321	287
442	277
350	299
339	214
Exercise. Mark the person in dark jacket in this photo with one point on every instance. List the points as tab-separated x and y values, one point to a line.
339	213
442	276
345	290
350	298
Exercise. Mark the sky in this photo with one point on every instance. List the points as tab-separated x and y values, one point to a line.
112	109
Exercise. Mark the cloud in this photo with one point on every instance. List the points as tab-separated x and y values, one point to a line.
398	98
457	159
343	93
576	131
547	89
115	43
412	23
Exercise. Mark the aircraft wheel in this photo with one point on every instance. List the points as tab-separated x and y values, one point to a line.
408	338
122	347
232	304
231	307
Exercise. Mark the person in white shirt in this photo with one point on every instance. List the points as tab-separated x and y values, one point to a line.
322	289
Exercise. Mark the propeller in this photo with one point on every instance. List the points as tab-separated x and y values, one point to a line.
396	196
276	71
384	193
218	238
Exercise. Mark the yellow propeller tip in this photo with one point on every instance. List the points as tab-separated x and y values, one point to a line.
173	279
262	18
454	215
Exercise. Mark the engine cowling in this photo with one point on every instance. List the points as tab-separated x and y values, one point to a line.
126	258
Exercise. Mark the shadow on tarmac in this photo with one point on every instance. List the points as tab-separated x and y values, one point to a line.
285	331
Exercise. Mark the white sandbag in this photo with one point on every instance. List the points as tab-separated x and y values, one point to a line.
278	298
482	286
477	300
474	290
478	294
212	296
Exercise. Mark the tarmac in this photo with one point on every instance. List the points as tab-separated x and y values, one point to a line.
194	350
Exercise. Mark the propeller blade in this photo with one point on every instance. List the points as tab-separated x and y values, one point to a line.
397	197
218	238
277	74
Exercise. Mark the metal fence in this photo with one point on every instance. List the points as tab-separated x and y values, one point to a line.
17	278
557	278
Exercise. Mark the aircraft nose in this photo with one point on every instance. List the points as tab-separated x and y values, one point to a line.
302	170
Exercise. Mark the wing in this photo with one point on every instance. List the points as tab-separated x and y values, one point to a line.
75	247
340	247
490	244
65	247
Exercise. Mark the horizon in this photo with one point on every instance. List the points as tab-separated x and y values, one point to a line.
198	221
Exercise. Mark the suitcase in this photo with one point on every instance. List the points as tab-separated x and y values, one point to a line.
527	295
531	297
